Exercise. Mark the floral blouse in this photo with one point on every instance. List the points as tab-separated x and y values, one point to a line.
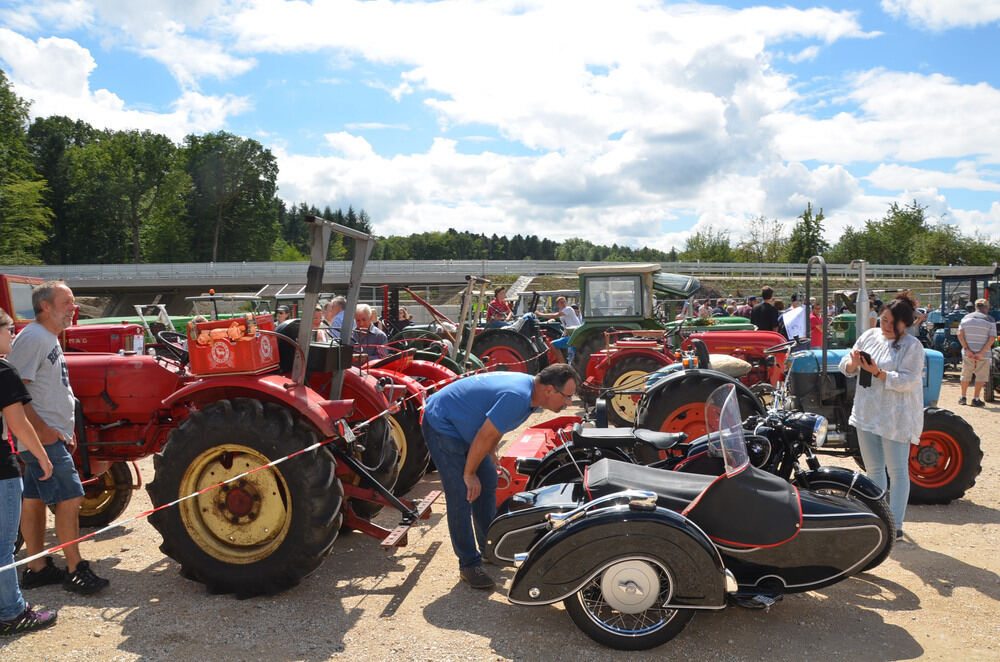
894	408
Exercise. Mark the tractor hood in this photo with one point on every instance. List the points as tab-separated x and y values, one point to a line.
678	285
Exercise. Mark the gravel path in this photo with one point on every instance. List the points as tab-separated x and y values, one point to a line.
936	597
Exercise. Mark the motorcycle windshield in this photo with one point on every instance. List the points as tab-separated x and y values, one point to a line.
725	428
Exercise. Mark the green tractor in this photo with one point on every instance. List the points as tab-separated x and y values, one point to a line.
621	297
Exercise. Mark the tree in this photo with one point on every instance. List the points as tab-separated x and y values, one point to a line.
807	236
764	242
234	184
708	245
131	183
24	216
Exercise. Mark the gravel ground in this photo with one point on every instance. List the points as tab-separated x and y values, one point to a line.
936	597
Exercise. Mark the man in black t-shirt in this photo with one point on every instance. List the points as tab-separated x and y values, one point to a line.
764	315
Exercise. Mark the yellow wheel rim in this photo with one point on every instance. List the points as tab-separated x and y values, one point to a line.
625	405
243	521
98	496
396	432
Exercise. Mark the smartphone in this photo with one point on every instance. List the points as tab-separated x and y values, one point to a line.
865	377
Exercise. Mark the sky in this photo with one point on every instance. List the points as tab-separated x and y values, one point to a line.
619	121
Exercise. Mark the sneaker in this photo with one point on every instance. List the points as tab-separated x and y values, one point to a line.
478	578
50	574
29	621
962	401
899	534
84	581
976	402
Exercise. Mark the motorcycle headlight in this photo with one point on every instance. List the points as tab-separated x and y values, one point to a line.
820	430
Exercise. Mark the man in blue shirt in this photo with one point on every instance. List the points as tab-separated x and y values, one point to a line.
463	424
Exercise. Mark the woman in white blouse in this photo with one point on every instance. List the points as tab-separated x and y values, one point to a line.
889	414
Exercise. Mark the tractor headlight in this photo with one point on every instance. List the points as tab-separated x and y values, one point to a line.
820	430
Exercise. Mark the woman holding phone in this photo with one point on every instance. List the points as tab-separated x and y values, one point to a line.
888	403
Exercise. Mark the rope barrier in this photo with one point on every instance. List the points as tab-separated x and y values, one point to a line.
355	428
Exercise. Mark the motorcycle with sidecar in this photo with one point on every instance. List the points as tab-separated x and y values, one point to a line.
633	551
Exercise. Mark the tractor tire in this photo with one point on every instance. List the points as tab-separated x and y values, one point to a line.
682	408
581	357
502	349
384	441
993	386
259	535
947	461
413	464
106	499
627	374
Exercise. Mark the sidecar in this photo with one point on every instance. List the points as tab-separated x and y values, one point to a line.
634	551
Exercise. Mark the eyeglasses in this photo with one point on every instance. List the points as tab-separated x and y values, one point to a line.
567	397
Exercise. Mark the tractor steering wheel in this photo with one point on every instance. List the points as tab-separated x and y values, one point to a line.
777	349
172	343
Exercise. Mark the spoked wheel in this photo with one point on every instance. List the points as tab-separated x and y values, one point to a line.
621	606
626	376
947	461
263	532
106	499
878	506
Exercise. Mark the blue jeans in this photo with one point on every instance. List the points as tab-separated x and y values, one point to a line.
467	522
883	456
11	601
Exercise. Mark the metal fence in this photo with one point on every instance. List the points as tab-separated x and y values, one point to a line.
293	272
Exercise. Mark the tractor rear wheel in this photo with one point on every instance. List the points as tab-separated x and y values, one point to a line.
413	464
502	349
947	461
627	374
680	407
383	441
262	533
106	499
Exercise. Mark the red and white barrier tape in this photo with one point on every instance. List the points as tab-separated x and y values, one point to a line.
308	449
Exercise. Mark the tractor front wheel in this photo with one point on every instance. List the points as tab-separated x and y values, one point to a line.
263	532
623	379
503	349
106	499
947	461
581	358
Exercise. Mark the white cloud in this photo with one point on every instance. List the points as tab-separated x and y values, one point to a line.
188	58
966	176
53	73
63	15
904	116
806	54
974	221
942	15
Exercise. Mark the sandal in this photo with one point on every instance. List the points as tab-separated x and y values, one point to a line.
84	581
50	574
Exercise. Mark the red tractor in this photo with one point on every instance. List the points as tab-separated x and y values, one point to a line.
215	411
621	368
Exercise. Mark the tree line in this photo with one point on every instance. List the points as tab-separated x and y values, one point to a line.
73	194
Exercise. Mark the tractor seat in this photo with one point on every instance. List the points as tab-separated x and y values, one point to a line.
675	490
729	365
624	437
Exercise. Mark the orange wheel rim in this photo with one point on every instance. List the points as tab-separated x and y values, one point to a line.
936	461
689	419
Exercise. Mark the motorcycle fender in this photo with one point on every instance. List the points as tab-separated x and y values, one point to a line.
560	455
566	558
856	480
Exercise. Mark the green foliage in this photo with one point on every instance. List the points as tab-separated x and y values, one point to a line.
708	245
807	237
765	242
24	219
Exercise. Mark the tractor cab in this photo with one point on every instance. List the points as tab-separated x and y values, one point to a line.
960	288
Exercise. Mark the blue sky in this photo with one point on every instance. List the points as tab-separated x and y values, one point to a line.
629	121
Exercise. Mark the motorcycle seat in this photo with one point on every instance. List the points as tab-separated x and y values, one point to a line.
675	490
624	437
